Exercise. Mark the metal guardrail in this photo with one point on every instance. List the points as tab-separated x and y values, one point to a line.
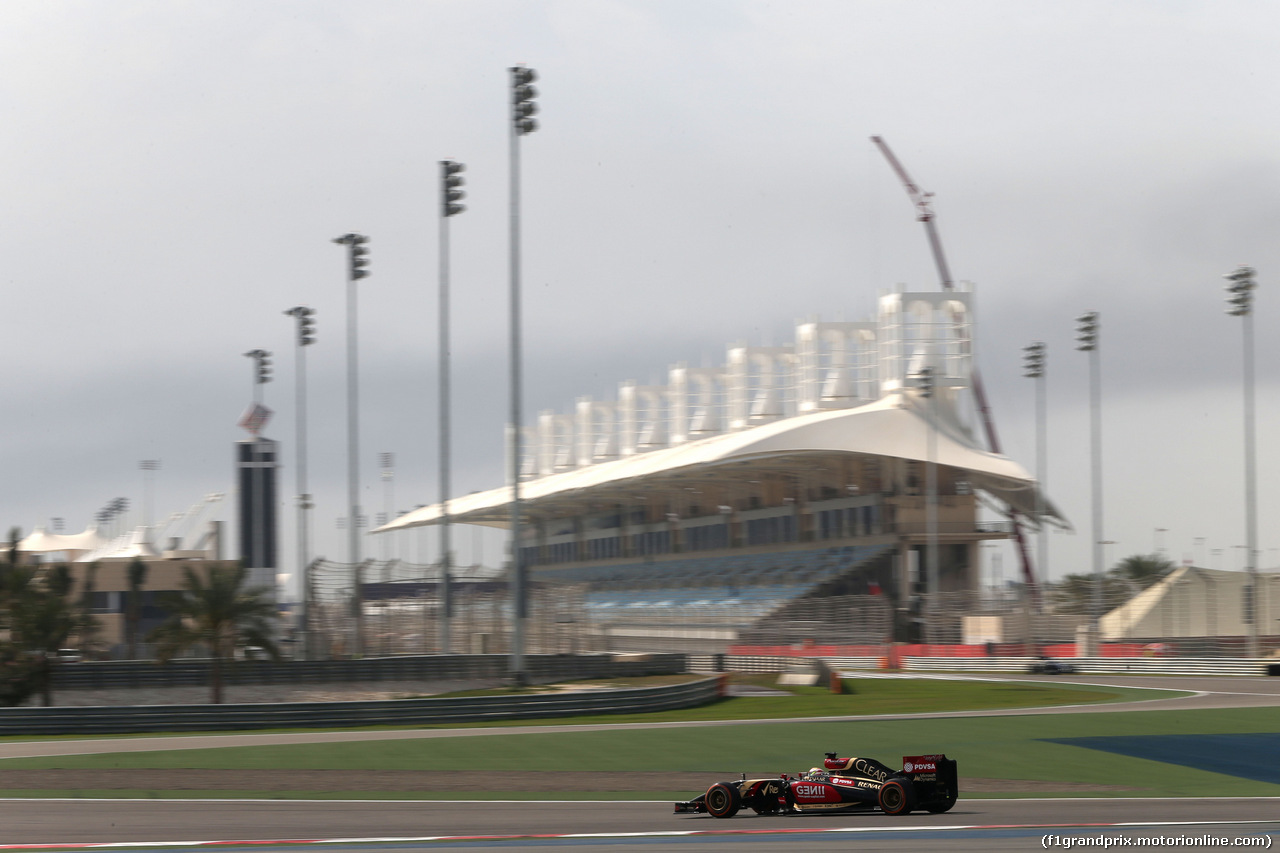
107	675
988	664
1086	666
853	663
392	712
1103	666
768	663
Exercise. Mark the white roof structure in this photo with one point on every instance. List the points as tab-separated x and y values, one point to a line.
72	544
89	545
126	547
895	426
1195	602
841	390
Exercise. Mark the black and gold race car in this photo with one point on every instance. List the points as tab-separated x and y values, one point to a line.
928	782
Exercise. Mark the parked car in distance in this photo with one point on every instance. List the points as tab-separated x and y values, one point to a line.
1052	666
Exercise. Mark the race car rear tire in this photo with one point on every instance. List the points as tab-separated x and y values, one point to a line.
943	805
723	800
897	796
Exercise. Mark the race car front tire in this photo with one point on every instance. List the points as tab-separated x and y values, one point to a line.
897	796
722	800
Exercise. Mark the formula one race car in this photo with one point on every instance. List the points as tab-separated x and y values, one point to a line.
926	782
1052	666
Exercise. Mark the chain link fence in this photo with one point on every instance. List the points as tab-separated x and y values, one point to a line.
400	611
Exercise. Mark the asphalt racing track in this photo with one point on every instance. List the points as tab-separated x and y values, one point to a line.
977	824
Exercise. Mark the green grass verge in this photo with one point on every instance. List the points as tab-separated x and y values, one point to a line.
986	747
863	696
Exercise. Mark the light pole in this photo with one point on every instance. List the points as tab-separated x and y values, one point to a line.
1087	341
306	337
451	195
357	260
925	382
148	466
261	372
1034	368
1104	543
522	123
258	538
387	464
1240	286
107	515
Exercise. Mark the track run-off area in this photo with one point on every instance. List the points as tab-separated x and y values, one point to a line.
1198	823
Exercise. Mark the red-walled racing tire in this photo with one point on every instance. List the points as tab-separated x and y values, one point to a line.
723	800
896	797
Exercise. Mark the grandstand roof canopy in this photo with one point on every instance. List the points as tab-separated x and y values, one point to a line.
895	426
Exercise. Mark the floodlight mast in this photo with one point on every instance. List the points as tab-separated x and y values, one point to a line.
924	213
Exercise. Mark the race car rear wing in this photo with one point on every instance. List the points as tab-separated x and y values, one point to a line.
935	779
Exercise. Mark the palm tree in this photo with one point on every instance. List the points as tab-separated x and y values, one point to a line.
137	576
1074	593
89	635
219	613
44	614
20	671
19	675
1143	569
10	557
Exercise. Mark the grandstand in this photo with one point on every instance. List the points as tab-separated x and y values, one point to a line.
734	497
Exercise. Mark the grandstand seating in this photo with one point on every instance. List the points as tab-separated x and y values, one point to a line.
752	584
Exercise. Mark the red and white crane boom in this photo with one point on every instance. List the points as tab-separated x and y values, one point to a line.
924	213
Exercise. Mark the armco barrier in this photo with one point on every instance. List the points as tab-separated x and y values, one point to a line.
773	663
541	669
993	664
853	663
1004	664
1098	666
391	712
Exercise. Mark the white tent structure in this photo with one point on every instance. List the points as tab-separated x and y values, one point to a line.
131	545
1196	602
73	545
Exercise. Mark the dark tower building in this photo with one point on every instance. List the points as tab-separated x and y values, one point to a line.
256	481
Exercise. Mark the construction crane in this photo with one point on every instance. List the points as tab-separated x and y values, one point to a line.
924	213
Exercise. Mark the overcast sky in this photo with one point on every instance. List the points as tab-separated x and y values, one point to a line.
174	173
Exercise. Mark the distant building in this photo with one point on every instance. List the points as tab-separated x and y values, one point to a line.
817	453
256	466
1196	602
